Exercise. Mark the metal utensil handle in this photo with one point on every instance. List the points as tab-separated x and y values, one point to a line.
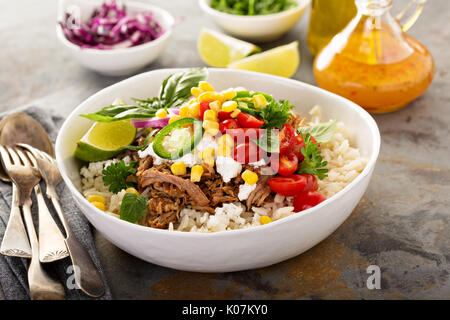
42	287
52	246
15	240
86	274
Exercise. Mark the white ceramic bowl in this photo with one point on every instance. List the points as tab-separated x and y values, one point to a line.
261	28
116	62
237	249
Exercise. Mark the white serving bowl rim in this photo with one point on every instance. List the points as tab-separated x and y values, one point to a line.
169	19
229	233
301	4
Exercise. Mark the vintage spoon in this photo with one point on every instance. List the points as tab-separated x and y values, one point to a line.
21	128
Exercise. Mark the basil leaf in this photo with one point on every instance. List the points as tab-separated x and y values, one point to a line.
176	88
269	141
322	132
120	112
133	207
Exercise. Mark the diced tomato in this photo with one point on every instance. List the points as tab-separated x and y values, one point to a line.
203	107
307	199
248	121
228	124
243	135
288	186
312	182
297	146
286	137
222	115
247	152
288	164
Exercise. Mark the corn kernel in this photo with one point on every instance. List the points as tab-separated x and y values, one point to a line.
99	205
259	101
225	140
235	113
178	168
132	190
249	177
211	127
205	86
161	113
210	115
209	161
207	96
96	198
215	105
174	118
208	152
229	94
229	106
224	151
196	173
195	91
265	220
194	110
184	111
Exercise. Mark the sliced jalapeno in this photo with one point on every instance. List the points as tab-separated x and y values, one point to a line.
184	148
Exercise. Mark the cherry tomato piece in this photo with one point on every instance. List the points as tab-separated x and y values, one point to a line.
247	152
307	199
228	124
312	184
288	164
288	186
222	115
297	146
248	121
203	107
286	138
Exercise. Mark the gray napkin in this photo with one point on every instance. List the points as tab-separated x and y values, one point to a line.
13	271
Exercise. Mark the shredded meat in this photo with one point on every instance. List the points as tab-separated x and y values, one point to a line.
169	194
151	176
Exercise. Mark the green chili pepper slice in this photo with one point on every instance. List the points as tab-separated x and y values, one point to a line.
162	152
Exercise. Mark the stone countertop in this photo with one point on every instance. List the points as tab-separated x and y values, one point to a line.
400	225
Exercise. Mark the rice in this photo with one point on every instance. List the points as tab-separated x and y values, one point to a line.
344	164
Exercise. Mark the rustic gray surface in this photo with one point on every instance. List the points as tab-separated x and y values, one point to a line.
401	224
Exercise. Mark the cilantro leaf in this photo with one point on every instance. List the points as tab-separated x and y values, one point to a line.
313	162
275	114
115	175
132	207
322	132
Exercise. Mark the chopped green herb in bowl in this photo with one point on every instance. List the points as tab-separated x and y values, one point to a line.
252	7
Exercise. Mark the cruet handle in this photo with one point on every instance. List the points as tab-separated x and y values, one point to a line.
408	16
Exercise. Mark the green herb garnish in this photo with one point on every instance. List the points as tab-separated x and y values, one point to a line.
275	114
252	7
132	207
313	162
174	91
322	132
115	175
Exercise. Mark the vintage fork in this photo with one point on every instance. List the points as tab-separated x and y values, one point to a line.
51	241
25	178
86	274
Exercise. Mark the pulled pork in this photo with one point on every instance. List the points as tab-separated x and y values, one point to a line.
169	194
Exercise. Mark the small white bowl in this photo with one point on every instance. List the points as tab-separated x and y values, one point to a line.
116	62
260	28
236	249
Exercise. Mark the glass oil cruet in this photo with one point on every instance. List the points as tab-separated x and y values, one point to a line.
327	18
373	62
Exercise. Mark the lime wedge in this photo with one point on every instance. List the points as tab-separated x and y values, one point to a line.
105	140
218	50
280	61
